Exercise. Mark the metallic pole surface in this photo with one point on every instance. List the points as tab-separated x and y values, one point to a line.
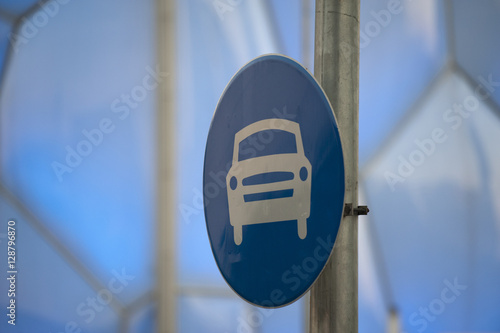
334	296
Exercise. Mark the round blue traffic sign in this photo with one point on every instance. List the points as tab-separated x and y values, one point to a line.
273	181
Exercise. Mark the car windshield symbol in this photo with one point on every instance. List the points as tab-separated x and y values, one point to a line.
270	177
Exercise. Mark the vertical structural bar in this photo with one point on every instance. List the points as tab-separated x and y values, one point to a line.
166	184
393	321
334	297
307	10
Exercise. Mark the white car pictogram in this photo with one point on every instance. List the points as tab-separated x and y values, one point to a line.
270	177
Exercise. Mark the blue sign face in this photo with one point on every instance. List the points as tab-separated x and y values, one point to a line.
273	181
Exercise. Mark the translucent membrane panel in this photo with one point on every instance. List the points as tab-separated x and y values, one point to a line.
290	319
144	320
77	133
372	302
485	130
197	265
476	27
50	296
5	33
434	201
402	47
212	315
19	7
287	26
215	38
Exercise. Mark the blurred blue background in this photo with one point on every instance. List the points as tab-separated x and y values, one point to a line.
78	161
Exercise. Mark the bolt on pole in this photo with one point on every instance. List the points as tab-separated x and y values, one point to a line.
334	296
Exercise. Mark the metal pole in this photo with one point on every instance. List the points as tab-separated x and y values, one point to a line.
166	185
334	297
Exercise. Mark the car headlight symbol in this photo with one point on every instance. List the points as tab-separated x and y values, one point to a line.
303	173
233	183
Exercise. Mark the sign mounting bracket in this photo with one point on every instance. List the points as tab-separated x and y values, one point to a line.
350	211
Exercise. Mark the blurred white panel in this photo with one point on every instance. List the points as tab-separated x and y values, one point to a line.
5	31
288	319
18	7
78	131
213	315
144	320
49	295
402	48
476	27
431	199
372	303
